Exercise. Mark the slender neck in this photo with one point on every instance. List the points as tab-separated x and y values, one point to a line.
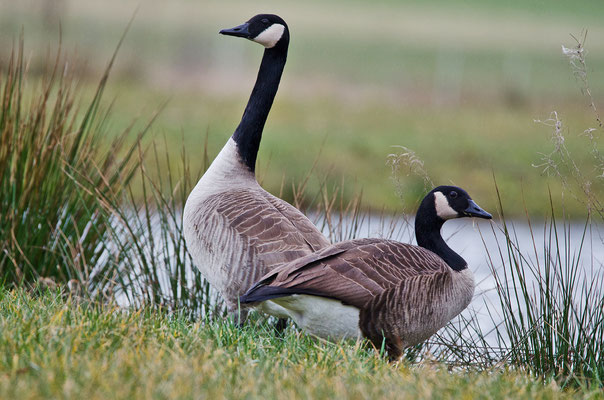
427	233
249	132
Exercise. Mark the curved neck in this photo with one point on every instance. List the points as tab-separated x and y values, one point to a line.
427	233
249	132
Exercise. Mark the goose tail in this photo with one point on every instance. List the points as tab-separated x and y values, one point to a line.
261	292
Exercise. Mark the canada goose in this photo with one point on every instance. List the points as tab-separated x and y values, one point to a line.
389	292
235	230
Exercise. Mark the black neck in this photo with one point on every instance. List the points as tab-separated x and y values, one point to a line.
427	233
249	132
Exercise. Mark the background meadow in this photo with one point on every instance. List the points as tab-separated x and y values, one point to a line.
361	77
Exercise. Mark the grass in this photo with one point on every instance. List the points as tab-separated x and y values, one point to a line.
144	250
44	139
56	347
552	322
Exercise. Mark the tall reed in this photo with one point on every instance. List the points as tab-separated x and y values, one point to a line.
552	309
48	227
144	250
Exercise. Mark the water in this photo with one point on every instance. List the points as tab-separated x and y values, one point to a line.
483	245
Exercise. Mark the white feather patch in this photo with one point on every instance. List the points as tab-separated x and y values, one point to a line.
326	318
270	36
443	209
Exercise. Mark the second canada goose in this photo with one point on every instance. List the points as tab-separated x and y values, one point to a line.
235	230
389	292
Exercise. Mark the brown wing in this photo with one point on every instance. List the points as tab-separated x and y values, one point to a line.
353	271
274	231
239	235
313	237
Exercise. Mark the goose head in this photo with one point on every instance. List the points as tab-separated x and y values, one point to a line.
267	29
454	202
441	204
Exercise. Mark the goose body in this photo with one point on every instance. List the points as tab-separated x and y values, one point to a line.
235	230
389	292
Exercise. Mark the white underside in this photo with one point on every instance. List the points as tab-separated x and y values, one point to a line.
322	317
272	308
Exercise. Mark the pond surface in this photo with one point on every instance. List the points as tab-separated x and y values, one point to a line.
483	245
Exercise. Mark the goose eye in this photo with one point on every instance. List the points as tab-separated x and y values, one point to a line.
453	195
264	21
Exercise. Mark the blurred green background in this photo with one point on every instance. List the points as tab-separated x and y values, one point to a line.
458	82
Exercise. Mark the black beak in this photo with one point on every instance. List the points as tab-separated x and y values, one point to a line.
474	211
238	31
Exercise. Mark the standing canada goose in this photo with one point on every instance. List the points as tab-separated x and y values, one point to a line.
234	229
389	292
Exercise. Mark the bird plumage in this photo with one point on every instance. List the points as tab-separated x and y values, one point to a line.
403	293
235	230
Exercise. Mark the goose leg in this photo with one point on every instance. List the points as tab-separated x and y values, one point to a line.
281	325
238	314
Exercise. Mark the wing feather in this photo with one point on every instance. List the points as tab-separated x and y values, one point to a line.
244	233
353	272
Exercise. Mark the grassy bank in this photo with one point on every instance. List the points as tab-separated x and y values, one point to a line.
54	347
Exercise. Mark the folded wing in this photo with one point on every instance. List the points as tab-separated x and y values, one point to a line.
353	272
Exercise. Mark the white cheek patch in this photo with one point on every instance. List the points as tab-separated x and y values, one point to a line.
270	36
443	209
